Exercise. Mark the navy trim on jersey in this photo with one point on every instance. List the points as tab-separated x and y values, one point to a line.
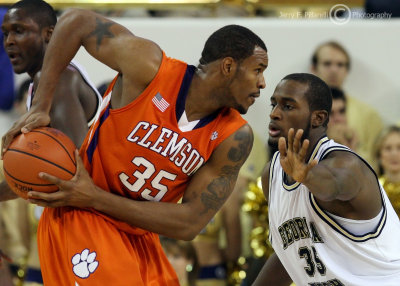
271	174
336	225
181	100
338	228
93	143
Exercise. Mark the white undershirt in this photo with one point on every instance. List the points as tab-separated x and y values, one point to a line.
184	124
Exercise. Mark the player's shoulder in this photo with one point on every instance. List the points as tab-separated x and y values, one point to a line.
238	144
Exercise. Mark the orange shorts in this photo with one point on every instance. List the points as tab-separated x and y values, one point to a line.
79	247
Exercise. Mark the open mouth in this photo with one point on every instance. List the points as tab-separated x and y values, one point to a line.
273	131
14	57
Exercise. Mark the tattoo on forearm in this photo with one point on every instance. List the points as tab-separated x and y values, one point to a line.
241	152
101	31
219	189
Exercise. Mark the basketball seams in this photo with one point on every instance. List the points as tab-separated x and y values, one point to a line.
42	159
32	153
28	183
55	139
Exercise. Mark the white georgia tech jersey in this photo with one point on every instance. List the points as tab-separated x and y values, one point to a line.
315	249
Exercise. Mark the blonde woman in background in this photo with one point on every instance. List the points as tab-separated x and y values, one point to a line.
388	155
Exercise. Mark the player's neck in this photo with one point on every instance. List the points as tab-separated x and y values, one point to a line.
314	137
200	101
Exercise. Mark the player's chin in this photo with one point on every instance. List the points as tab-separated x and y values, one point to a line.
242	109
273	141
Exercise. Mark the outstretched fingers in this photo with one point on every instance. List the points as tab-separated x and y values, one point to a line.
282	146
290	139
303	150
297	140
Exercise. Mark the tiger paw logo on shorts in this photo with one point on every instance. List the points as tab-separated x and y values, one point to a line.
84	263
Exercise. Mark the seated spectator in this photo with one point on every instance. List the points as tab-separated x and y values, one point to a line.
388	155
331	62
338	128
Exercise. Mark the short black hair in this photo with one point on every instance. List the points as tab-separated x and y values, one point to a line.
332	44
40	11
318	94
337	93
233	41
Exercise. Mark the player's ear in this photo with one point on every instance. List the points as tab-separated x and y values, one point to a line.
228	66
48	31
318	118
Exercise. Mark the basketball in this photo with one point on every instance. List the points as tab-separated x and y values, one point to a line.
43	149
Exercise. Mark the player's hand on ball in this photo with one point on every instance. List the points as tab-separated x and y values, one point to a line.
80	191
293	156
32	119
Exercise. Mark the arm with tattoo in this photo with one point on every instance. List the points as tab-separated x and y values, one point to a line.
207	191
107	41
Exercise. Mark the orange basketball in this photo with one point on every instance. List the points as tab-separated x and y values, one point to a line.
43	149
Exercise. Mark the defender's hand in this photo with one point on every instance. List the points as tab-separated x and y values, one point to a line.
293	156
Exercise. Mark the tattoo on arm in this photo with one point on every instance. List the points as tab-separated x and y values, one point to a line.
219	189
101	31
240	152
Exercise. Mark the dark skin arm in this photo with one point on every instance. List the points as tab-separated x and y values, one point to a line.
231	220
341	183
207	191
273	273
67	113
6	193
106	41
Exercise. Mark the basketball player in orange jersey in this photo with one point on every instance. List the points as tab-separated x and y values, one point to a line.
166	130
27	29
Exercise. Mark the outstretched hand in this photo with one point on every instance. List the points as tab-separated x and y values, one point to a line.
30	120
80	191
293	156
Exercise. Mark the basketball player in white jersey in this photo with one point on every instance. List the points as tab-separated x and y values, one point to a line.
27	29
331	222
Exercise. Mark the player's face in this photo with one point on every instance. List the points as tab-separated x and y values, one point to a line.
290	109
248	80
390	153
338	112
331	66
23	41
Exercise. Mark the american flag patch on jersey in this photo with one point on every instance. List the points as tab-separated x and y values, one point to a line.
160	102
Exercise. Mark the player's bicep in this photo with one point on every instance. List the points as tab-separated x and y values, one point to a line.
117	47
213	183
347	172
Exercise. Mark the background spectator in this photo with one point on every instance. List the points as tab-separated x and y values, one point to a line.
338	128
388	155
332	63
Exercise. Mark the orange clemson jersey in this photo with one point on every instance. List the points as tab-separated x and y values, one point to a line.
148	150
